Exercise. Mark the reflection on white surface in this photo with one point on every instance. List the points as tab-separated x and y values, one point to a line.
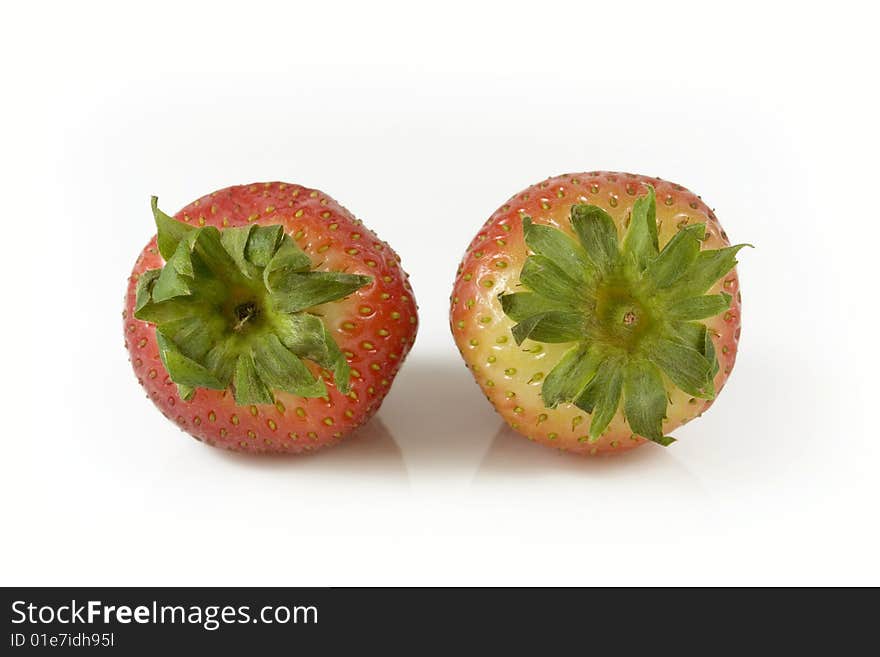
439	417
511	456
447	429
459	439
369	453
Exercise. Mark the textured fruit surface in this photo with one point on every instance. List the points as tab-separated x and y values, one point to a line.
374	327
512	375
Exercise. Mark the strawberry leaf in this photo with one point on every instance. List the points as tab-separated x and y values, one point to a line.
209	253
221	360
645	399
640	244
601	396
519	306
296	291
247	385
550	327
281	370
262	244
287	259
545	277
705	271
194	335
228	306
690	334
306	336
709	353
559	248
676	256
169	231
235	241
170	284
597	233
182	370
686	367
699	307
144	290
569	376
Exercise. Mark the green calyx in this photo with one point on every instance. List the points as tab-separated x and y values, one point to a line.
231	309
631	309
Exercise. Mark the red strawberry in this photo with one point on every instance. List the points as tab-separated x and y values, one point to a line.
599	310
266	318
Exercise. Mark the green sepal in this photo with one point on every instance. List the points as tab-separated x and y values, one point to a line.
228	306
235	241
185	392
709	353
559	248
169	285
169	231
182	370
144	289
697	337
171	282
676	257
641	243
288	258
263	244
690	334
215	268
307	337
598	235
171	310
699	307
221	360
542	275
519	306
645	399
181	261
303	334
335	360
704	272
295	292
601	396
281	370
569	376
686	367
195	335
552	327
247	385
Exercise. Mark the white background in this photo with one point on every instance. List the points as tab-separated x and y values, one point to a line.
422	119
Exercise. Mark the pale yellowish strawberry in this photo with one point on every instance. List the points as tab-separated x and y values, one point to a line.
600	310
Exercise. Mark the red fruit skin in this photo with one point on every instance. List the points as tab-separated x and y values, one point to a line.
492	265
375	327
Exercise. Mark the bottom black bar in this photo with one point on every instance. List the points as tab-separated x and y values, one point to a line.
146	620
